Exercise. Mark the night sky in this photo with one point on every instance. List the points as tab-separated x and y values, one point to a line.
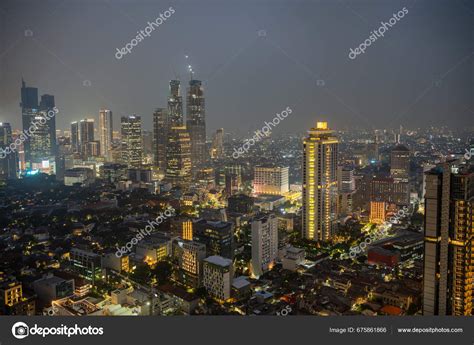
421	72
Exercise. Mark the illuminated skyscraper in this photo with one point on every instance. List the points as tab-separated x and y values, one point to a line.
105	132
400	163
86	134
175	105
196	123
217	148
264	243
178	156
41	144
75	138
448	278
160	138
319	183
132	146
8	162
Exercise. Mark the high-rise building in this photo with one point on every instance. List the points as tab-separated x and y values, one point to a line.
345	179
264	243
400	163
75	138
8	162
448	278
105	133
218	276
40	147
47	104
178	156
217	148
196	123
216	235
320	183
271	180
175	105
160	138
86	134
189	256
132	146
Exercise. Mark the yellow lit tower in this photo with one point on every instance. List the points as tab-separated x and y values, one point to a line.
319	183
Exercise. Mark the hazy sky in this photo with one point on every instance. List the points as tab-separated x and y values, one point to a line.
421	72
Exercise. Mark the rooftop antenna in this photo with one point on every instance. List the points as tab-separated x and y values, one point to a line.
190	68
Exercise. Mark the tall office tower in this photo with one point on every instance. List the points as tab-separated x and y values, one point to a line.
86	134
175	105
345	179
105	133
218	276
178	156
233	184
264	243
132	146
196	123
29	108
8	162
400	163
41	144
75	138
319	183
218	237
271	180
217	148
47	104
160	138
448	279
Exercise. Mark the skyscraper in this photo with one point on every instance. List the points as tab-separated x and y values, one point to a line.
8	162
217	148
175	105
132	146
319	183
264	243
105	133
47	104
75	138
178	156
400	163
448	279
160	138
40	145
196	123
86	134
